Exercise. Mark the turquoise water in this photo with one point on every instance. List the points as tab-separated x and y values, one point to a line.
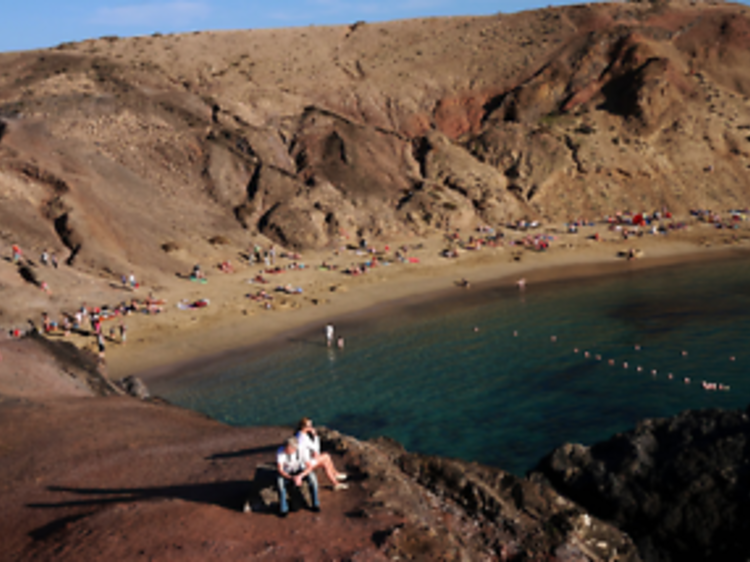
425	377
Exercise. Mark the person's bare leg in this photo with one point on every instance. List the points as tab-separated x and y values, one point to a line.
325	461
331	469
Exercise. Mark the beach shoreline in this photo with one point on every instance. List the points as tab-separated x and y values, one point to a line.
231	338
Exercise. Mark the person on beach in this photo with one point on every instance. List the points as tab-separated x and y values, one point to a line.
292	470
100	345
329	334
309	451
340	342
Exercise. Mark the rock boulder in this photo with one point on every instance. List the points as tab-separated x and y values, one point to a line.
678	486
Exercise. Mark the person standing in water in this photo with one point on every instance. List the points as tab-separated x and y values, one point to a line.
329	334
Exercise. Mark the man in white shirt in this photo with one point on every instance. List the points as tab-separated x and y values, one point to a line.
292	469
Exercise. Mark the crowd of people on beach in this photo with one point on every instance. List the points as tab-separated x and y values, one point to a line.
625	224
89	321
731	220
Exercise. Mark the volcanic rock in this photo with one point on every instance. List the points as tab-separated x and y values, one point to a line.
454	510
678	486
135	387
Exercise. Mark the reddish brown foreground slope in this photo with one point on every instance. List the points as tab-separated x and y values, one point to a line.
114	478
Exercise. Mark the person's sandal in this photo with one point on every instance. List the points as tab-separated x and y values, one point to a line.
340	486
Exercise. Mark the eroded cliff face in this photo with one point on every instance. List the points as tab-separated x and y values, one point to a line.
678	486
115	148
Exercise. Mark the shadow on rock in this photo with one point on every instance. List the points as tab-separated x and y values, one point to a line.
229	495
243	453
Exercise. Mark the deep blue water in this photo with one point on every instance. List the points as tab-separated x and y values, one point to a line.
425	377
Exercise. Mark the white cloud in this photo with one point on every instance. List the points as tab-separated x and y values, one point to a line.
178	13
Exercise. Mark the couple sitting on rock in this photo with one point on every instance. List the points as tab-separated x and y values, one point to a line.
297	460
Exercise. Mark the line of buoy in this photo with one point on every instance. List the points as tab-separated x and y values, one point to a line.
706	385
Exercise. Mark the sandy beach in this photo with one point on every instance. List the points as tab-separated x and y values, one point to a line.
175	340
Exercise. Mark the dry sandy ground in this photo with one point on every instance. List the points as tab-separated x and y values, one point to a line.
233	321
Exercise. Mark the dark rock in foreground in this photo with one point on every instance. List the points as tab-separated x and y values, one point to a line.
455	510
677	486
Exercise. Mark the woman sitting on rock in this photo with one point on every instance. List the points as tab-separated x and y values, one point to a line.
309	450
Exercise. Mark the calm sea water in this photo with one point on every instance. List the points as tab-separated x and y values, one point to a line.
425	377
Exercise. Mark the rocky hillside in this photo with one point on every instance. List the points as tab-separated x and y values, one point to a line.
677	486
141	152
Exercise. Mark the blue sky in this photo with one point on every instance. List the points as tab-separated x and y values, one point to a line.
44	23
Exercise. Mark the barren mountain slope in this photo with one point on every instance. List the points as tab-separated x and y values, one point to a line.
115	147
